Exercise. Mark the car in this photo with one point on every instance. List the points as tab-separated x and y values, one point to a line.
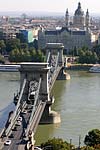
14	129
30	110
24	112
37	148
19	118
7	142
18	123
11	136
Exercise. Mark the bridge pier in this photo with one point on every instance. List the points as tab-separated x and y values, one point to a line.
49	116
63	75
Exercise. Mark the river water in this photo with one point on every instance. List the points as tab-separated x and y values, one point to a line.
77	100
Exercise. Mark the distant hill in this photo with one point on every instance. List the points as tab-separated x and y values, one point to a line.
38	14
30	13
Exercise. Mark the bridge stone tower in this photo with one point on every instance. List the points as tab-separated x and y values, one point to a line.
35	71
54	48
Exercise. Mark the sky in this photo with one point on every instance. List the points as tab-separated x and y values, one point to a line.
49	5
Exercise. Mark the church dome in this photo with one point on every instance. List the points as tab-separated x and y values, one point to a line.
79	11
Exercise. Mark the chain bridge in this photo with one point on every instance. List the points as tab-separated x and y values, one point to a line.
34	100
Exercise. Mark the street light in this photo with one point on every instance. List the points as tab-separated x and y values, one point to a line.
79	142
70	144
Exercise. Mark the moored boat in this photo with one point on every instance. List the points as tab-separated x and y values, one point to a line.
9	68
95	69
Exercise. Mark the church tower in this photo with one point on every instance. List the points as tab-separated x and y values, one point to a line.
87	19
79	19
67	18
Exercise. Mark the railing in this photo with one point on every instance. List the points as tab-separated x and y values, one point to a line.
54	77
53	73
17	110
37	115
57	60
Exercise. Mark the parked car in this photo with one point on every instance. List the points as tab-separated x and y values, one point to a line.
7	142
14	129
18	123
19	118
11	135
24	112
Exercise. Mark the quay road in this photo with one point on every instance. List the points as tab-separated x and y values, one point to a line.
18	133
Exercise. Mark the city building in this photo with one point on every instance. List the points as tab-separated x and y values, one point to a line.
76	33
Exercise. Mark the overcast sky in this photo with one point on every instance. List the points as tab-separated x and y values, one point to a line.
49	5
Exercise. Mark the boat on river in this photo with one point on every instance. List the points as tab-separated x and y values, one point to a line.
9	68
95	69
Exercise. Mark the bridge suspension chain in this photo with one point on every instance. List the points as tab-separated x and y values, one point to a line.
48	58
34	107
54	68
17	110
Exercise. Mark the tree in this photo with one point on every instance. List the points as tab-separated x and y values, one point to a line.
96	49
81	56
14	55
2	46
12	44
87	57
75	51
21	55
93	138
57	144
2	59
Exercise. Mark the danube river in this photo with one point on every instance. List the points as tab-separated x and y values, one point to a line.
77	100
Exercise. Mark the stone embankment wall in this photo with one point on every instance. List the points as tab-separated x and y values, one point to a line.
79	66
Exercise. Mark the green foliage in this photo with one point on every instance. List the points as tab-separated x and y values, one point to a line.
87	56
24	46
96	49
1	59
57	144
93	138
23	55
12	44
2	46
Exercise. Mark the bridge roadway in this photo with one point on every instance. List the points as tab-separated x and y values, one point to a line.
19	132
30	120
19	140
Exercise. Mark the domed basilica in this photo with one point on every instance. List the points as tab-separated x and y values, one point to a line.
79	19
75	33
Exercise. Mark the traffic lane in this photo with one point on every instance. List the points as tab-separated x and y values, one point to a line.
14	141
18	134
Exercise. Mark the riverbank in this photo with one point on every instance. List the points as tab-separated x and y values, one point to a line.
77	67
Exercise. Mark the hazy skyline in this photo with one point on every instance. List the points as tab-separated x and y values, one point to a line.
49	5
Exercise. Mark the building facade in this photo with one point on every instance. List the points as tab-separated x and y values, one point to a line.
73	35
